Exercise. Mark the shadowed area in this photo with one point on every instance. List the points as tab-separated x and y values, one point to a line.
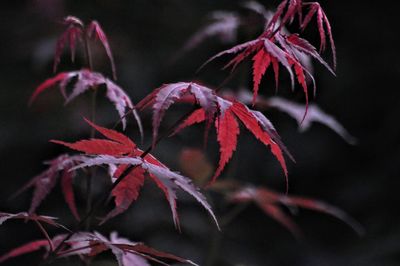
145	37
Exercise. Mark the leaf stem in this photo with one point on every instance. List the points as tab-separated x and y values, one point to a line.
44	232
217	236
92	172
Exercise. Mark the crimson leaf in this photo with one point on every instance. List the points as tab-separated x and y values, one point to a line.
230	112
120	151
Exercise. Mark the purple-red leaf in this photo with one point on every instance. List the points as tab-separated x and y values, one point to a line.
94	28
26	216
269	201
127	190
45	182
86	80
48	83
322	20
126	252
163	97
274	47
315	114
305	47
169	179
33	246
68	191
223	26
72	34
227	130
26	248
233	50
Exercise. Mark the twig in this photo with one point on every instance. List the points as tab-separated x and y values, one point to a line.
44	232
92	172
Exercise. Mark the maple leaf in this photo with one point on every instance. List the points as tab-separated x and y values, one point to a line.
32	247
117	144
85	80
38	220
27	248
322	20
223	25
125	251
266	53
75	32
227	127
4	216
85	244
258	9
315	114
269	202
94	29
295	8
45	182
121	152
295	110
162	98
71	35
274	47
162	175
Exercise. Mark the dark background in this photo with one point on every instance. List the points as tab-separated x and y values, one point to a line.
145	35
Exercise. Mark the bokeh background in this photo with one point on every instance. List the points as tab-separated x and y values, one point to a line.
146	36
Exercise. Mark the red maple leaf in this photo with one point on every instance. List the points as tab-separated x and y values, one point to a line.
227	127
212	106
274	46
119	152
162	98
322	20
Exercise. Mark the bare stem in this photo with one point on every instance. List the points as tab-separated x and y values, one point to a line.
44	232
88	52
92	172
217	236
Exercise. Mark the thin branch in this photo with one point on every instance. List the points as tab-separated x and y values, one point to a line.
44	232
92	172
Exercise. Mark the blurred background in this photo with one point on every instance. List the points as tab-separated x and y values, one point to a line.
146	37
